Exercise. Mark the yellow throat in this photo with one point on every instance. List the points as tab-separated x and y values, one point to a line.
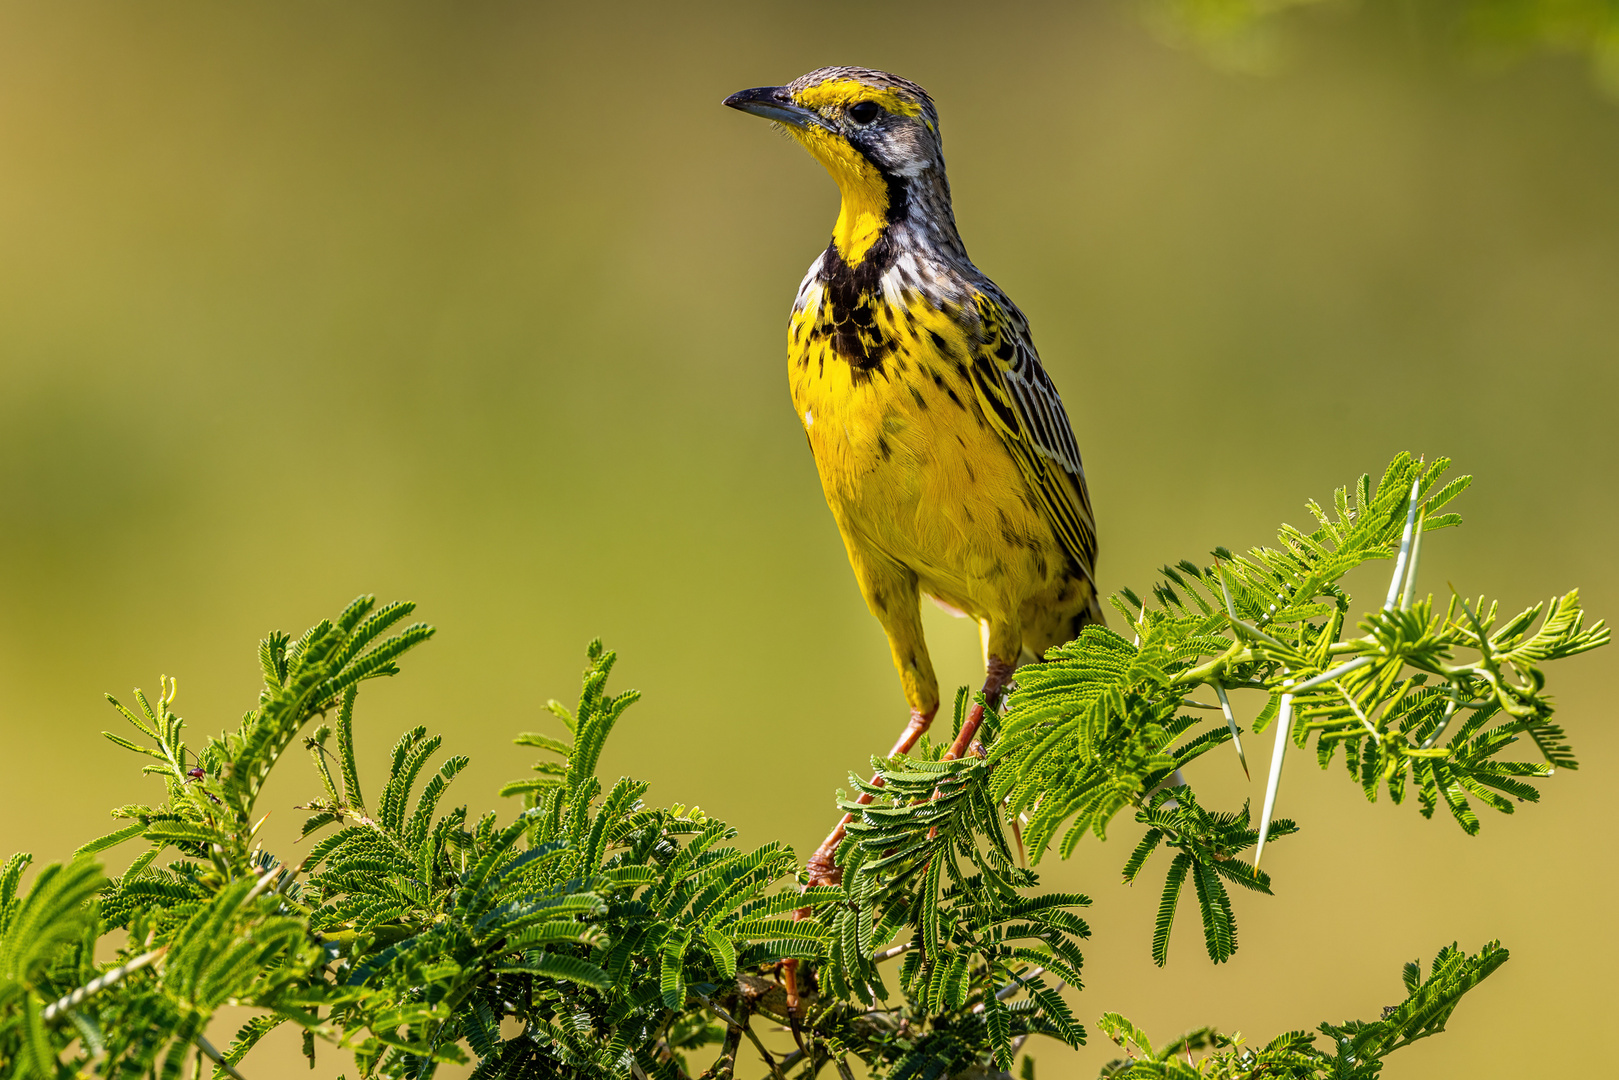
865	191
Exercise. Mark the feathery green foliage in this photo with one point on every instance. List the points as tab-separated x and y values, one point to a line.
1355	1051
1104	723
928	876
590	935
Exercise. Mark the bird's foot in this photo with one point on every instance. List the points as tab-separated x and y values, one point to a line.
997	674
919	723
821	868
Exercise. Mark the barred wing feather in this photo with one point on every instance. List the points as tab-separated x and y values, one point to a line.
1020	400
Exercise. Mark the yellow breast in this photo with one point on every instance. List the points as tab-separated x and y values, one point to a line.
911	468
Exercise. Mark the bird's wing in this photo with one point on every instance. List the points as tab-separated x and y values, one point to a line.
1019	399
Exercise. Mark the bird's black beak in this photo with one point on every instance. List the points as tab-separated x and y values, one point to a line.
774	103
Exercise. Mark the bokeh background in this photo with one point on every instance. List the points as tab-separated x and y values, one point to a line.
483	305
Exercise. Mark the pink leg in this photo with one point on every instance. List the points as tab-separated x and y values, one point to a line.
996	676
822	869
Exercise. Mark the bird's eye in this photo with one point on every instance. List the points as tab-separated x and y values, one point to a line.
864	112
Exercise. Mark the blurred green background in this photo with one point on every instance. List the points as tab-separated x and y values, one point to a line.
483	305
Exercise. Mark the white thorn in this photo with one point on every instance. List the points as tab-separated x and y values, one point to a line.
1255	632
1238	624
218	1059
1284	725
1411	571
1236	735
1337	672
1405	548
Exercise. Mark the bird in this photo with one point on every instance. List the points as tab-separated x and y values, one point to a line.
943	448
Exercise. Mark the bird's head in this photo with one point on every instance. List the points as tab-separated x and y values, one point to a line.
877	134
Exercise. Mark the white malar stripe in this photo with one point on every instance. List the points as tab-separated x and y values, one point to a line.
810	286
